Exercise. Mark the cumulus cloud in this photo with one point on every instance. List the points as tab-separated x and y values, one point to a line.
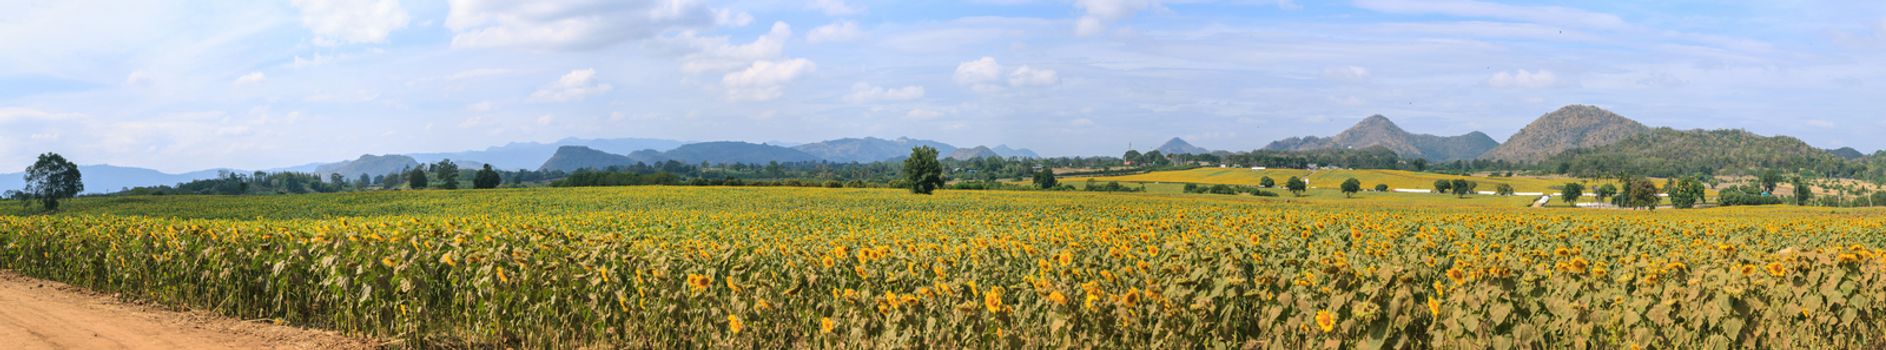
251	78
864	92
573	86
764	80
731	18
834	32
835	7
985	75
568	24
1523	79
137	78
1095	14
715	54
351	21
922	114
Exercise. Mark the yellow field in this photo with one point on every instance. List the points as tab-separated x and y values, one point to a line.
682	267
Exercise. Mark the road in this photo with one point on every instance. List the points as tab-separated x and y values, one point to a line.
37	314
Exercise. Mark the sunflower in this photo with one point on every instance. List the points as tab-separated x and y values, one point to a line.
734	324
1776	269
826	325
993	299
1325	321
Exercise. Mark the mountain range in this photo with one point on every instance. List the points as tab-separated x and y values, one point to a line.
1569	127
107	178
1377	130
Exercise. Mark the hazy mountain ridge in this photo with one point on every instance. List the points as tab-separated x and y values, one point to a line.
1378	130
973	153
1569	127
1179	146
108	178
370	165
530	155
869	149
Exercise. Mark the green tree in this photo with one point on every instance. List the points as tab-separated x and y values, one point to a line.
1605	191
1638	193
1296	186
1570	192
1503	190
1350	187
1769	179
1802	191
1045	178
1462	188
1381	187
487	178
51	179
1266	182
1442	186
447	174
416	179
922	172
1131	156
1686	193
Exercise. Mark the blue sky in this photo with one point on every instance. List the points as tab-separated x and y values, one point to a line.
177	86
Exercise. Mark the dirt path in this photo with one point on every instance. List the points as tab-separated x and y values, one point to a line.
37	314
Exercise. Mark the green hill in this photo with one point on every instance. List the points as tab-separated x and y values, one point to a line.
1666	152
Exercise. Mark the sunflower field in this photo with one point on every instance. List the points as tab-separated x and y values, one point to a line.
687	267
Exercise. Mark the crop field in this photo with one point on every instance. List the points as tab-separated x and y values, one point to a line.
1331	178
689	267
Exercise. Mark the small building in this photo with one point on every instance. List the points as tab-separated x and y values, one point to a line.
1257	168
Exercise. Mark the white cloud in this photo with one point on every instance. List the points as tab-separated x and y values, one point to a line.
573	86
480	107
835	32
1523	79
1082	122
1288	5
731	18
351	21
985	75
714	54
546	119
567	24
979	71
835	7
922	114
251	78
1346	73
137	78
763	80
1030	76
863	93
1468	8
1097	13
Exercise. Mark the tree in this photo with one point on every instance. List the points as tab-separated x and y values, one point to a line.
1605	191
1686	193
1441	186
1571	192
1802	191
447	173
1296	186
1350	187
1381	187
487	178
1503	190
1637	193
1131	156
337	180
1462	188
1769	179
1266	182
51	179
365	180
922	172
1153	157
416	179
1045	178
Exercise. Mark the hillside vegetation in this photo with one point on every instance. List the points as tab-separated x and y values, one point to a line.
1667	152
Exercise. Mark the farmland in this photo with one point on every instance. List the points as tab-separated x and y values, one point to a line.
689	267
1330	178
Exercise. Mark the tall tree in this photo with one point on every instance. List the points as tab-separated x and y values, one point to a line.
448	174
416	179
922	172
1802	191
1570	192
1266	182
1769	179
1350	187
1296	186
487	178
51	179
1462	188
1131	156
1442	186
1605	191
1045	178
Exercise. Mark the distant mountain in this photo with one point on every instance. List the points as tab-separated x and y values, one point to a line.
1005	151
107	178
725	152
1179	146
1570	127
370	165
1667	152
530	155
973	153
1847	153
869	149
1377	130
573	158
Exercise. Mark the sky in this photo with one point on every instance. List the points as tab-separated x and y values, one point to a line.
256	84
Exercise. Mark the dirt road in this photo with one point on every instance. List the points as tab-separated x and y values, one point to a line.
37	314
